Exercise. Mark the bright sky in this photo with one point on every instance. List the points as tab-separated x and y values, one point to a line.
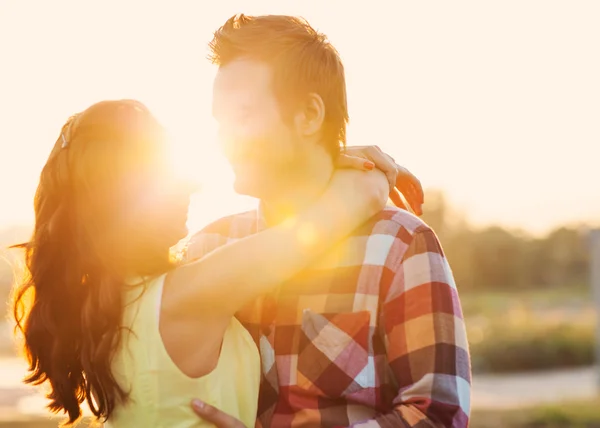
496	103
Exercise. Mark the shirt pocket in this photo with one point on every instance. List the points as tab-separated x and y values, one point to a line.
333	353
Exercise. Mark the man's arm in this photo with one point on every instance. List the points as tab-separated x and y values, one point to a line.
425	338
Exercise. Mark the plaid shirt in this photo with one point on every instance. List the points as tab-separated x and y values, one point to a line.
370	335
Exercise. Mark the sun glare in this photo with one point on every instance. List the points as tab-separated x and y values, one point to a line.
196	156
422	116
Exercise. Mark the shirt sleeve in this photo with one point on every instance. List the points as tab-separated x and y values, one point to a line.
425	338
201	244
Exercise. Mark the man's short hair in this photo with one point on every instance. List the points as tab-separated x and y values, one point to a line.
302	60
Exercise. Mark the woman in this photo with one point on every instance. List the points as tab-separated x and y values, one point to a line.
102	283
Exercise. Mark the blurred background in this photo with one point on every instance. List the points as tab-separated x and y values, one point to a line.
493	105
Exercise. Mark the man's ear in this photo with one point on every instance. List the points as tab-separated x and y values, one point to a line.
309	119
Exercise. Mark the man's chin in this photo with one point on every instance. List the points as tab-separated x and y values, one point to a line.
247	188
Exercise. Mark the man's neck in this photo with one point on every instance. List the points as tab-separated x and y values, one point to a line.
300	192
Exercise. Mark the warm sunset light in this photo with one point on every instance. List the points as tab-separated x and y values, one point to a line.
483	310
483	118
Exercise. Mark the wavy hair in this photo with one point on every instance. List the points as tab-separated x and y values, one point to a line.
69	306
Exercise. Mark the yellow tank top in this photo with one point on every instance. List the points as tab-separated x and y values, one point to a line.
160	394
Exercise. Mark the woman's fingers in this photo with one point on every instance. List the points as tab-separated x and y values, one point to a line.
398	199
411	188
382	161
215	416
354	162
401	180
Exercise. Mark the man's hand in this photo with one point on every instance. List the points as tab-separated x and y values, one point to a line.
215	416
402	182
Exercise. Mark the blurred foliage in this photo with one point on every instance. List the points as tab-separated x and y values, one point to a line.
526	299
530	329
498	258
533	348
493	258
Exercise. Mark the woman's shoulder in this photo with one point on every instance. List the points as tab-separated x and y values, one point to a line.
219	232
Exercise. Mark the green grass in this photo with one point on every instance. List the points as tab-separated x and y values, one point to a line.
530	330
529	348
495	302
584	414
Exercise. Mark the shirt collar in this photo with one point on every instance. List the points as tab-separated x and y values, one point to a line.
261	222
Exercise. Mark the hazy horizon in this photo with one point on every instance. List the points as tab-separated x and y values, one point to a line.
496	104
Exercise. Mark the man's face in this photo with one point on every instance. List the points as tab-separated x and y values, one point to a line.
263	150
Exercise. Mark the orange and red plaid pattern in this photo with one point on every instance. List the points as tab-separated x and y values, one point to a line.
370	335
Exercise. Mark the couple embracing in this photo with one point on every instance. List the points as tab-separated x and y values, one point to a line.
324	307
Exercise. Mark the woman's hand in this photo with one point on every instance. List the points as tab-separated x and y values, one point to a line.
401	181
215	416
355	194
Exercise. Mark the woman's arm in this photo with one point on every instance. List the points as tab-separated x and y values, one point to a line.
228	277
406	191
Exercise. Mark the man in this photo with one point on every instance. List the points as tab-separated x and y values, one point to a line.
373	334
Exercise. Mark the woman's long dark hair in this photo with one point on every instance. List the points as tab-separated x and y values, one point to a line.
69	306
